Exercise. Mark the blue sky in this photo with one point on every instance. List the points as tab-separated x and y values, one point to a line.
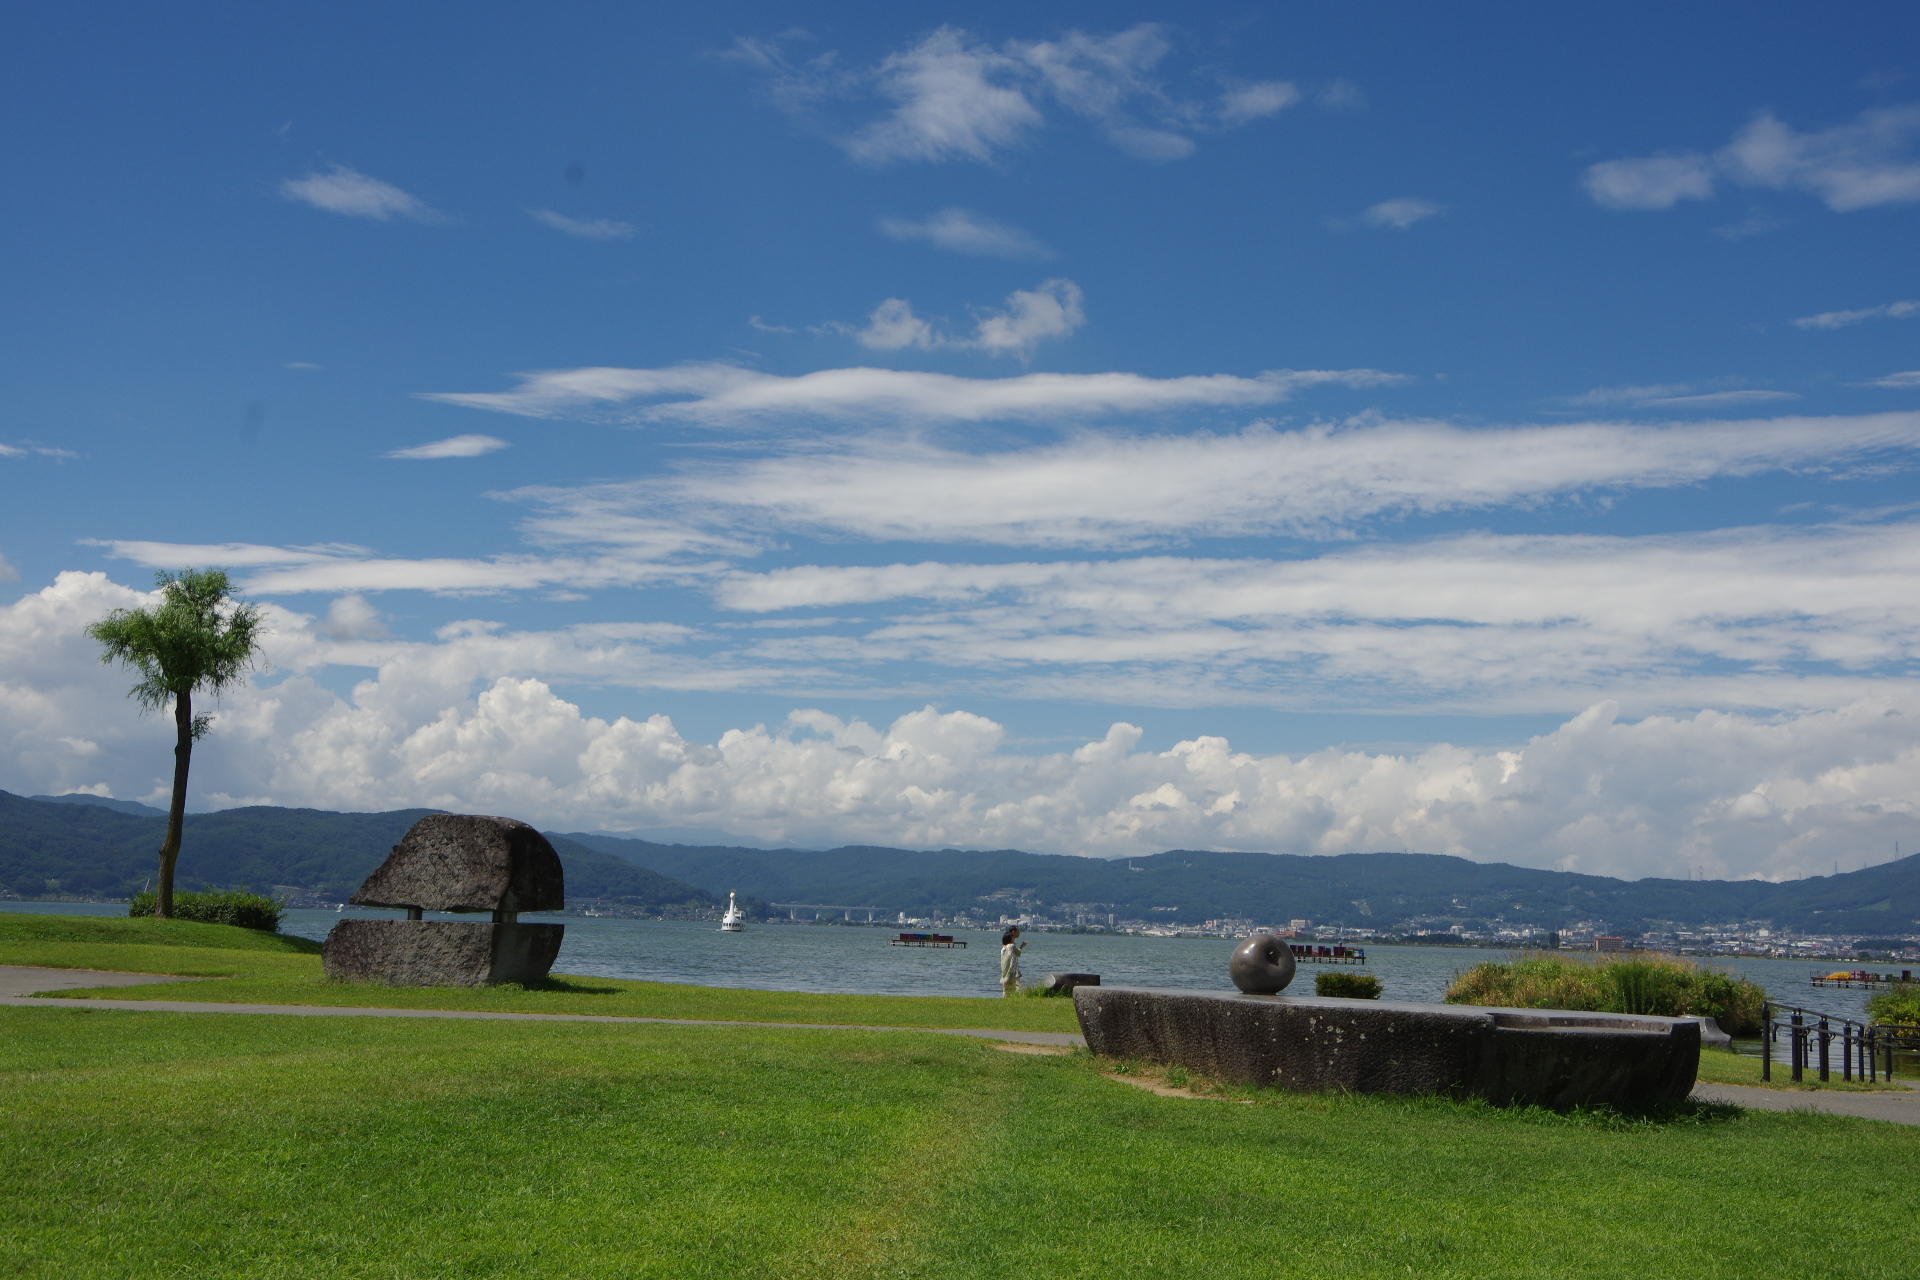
1098	429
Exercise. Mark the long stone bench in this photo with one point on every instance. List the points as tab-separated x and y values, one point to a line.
1553	1057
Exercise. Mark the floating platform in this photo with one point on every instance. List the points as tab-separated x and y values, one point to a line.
1862	978
1308	953
926	940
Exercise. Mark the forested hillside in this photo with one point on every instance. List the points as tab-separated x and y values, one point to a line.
62	848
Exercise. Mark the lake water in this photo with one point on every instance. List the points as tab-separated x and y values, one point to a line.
858	959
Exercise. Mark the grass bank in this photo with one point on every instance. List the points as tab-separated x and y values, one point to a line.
385	1149
243	966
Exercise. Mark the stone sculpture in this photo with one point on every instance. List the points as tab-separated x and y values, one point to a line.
1550	1057
455	862
1263	965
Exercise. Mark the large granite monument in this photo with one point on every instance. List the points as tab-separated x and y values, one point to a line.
1551	1057
455	862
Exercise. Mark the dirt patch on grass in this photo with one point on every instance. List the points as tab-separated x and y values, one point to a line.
1046	1050
1161	1087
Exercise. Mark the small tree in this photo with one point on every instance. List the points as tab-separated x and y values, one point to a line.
196	639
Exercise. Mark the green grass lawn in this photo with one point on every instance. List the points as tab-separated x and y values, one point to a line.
160	1144
248	967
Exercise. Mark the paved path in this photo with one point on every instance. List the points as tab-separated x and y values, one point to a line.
18	982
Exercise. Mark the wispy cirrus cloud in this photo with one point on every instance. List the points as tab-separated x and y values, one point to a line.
1399	214
355	195
1906	381
470	446
584	228
728	395
1677	395
1904	309
952	96
1106	490
1863	164
964	231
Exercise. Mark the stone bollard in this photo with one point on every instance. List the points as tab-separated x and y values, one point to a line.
455	862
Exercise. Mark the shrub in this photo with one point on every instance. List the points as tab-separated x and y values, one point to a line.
1662	986
1353	986
247	910
1898	1006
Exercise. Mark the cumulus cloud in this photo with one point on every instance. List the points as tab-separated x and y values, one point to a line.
963	231
952	96
1863	164
451	447
719	395
584	228
1904	309
1053	309
344	191
441	724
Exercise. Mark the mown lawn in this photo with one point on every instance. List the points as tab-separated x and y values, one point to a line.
159	1144
248	967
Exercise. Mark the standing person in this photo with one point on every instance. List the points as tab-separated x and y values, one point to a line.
1010	949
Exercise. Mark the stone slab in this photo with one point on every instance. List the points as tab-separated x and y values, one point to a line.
1551	1057
468	862
440	953
1064	983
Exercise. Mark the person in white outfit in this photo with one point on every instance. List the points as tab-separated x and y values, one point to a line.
1010	949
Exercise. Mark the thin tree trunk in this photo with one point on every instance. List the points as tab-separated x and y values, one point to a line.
177	811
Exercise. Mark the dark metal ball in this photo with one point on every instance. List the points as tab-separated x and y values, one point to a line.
1262	965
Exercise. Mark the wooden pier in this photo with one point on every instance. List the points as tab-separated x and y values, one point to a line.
1862	978
1310	953
926	940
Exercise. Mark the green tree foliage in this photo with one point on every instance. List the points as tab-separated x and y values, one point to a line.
197	639
1898	1006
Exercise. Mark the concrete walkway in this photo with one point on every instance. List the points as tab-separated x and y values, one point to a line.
19	982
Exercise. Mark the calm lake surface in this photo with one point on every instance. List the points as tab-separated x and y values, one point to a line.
858	959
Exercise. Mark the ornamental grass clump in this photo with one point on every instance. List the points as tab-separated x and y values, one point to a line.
1660	986
246	910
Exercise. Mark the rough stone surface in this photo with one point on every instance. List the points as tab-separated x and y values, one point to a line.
1711	1036
468	862
1555	1058
440	953
1262	965
1064	983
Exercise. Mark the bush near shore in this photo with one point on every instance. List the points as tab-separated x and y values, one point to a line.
247	910
1897	1007
1663	986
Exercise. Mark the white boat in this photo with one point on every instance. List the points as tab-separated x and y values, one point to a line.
735	920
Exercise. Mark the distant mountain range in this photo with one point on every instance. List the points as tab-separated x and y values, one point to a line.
83	846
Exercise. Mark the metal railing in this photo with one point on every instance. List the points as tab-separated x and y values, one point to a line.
1866	1050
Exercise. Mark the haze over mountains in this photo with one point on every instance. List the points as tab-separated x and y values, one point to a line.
82	847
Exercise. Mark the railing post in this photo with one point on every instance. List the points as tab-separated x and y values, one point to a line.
1767	1041
1826	1042
1797	1036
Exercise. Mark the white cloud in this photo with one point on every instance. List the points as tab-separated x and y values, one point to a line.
1655	182
351	617
1906	381
727	395
344	191
452	447
442	724
1105	490
1719	399
1864	164
7	572
1257	101
954	97
303	366
1399	214
1053	309
28	449
963	231
1904	309
584	228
